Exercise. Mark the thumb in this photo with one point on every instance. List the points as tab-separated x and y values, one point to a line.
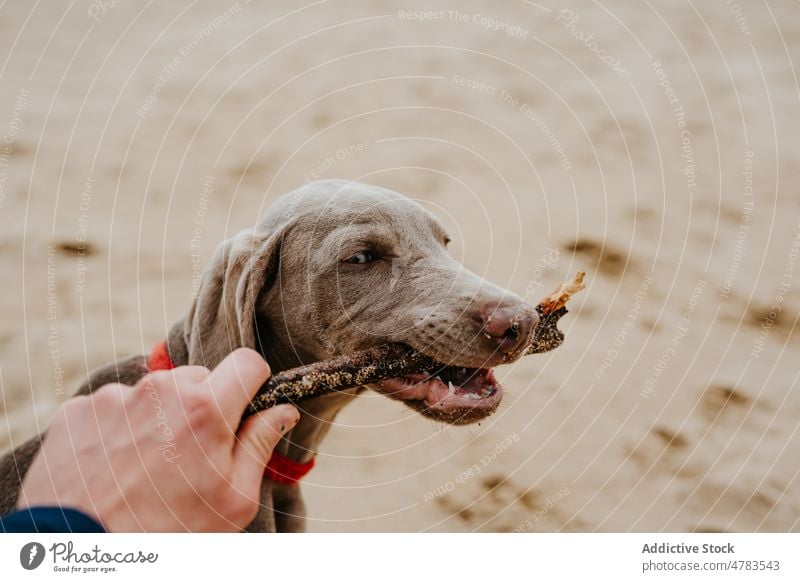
255	442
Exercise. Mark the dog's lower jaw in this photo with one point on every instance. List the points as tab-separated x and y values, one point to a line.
454	417
450	408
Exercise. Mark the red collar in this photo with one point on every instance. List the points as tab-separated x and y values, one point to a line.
280	469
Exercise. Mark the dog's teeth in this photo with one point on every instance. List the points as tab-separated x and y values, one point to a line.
473	396
450	389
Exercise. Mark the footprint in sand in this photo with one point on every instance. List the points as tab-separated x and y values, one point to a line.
75	248
607	260
663	449
496	504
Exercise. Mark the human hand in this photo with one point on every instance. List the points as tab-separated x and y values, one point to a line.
167	454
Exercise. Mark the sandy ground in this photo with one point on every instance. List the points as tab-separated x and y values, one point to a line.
654	145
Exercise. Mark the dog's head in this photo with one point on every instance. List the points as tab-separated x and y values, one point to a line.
338	266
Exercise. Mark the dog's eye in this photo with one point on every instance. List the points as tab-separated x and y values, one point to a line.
361	258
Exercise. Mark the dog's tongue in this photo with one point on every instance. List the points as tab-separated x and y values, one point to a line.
410	387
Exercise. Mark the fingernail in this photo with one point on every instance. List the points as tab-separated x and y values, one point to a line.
289	417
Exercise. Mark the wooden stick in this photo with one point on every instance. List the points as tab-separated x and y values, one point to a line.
393	360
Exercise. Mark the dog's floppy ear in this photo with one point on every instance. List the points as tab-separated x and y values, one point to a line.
222	317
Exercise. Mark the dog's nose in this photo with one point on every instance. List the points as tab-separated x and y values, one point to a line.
508	325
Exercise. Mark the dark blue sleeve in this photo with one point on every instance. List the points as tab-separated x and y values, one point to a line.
49	520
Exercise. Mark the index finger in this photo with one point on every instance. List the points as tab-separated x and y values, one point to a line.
235	381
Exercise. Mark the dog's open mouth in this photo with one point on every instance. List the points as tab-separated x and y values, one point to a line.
450	393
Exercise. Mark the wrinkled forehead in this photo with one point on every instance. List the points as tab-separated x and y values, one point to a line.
354	209
377	222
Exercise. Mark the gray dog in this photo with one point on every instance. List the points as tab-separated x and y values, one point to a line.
335	267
